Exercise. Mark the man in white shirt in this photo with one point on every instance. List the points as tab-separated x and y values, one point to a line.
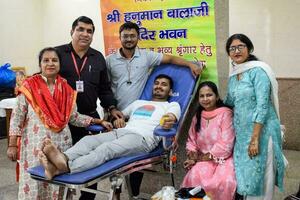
136	137
128	70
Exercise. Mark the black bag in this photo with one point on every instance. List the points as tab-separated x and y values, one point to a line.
184	193
6	93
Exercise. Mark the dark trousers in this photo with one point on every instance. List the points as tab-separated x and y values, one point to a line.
87	195
135	182
238	196
77	134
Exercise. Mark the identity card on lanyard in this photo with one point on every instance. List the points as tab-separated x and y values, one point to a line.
79	83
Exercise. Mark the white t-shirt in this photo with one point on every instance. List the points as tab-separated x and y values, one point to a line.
144	116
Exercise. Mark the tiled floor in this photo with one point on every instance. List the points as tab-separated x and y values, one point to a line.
8	187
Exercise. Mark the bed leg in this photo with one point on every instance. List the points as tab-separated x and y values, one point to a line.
173	162
128	185
115	182
111	194
69	193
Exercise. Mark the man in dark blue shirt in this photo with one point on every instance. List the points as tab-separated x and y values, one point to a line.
85	70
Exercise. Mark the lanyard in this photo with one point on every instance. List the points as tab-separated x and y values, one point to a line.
76	66
128	67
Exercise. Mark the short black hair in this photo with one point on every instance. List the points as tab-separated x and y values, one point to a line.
166	77
244	39
83	19
46	50
129	25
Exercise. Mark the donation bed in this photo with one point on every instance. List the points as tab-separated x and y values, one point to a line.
118	169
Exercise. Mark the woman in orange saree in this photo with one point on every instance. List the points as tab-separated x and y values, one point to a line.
45	106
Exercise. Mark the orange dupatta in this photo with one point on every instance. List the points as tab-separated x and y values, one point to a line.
54	111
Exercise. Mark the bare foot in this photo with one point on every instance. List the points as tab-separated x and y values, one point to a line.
55	156
50	169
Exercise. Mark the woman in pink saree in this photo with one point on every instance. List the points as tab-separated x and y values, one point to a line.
209	146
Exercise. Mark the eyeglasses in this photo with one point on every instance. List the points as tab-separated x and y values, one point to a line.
131	36
233	49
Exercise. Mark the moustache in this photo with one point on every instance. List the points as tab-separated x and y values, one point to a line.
158	89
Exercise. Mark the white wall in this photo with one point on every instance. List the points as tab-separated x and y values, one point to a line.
27	26
20	37
273	27
58	16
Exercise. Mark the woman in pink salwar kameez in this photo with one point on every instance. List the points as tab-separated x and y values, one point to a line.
210	145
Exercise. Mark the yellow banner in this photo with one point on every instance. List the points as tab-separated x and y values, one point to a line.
181	28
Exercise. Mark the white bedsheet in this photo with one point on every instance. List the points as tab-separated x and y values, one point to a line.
6	103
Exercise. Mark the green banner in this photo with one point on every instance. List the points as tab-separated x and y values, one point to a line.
181	28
